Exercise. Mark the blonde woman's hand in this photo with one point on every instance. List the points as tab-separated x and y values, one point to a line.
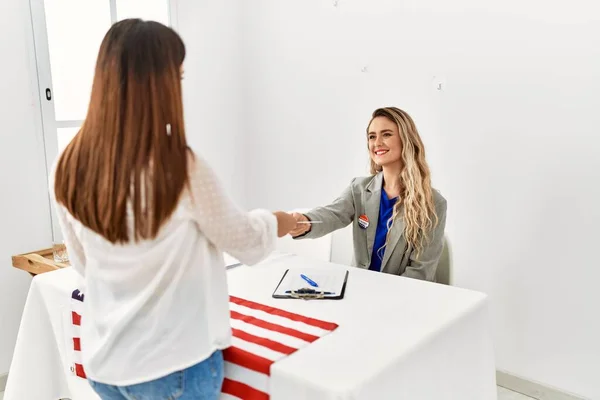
300	229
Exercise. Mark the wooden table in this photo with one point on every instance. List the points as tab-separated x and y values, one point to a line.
37	262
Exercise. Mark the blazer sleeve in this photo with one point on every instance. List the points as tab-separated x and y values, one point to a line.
425	265
334	216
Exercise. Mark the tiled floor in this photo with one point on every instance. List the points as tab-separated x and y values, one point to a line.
503	394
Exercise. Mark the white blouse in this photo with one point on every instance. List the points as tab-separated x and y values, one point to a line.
159	306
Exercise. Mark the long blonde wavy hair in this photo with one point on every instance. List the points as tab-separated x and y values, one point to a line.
415	204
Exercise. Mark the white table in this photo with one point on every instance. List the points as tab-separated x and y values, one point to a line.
398	338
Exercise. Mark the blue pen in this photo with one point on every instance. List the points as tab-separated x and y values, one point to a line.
310	281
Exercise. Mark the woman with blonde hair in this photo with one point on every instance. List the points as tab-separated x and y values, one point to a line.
146	223
398	219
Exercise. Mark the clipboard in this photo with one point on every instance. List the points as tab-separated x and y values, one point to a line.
307	292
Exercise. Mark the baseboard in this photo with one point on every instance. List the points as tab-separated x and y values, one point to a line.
3	379
532	389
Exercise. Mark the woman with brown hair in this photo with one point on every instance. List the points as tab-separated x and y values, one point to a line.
146	221
399	219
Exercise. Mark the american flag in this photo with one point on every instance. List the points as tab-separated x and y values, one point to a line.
262	335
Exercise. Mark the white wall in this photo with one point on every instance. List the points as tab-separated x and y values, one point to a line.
24	207
212	96
512	141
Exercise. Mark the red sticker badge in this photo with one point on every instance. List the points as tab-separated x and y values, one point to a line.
363	221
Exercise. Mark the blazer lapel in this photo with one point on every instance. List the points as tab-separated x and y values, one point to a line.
394	235
371	201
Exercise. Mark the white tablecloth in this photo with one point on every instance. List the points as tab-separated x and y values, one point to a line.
398	338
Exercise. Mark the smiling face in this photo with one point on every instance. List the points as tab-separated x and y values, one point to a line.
385	147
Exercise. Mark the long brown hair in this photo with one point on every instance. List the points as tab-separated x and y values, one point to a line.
416	202
131	152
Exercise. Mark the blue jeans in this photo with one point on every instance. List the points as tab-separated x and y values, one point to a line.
200	382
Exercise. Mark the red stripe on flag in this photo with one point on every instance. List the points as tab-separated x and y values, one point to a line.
79	371
268	343
247	360
242	391
329	326
76	318
77	344
273	327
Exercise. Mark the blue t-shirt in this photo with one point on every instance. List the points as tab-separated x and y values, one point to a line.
386	209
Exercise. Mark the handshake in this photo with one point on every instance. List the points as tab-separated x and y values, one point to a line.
295	224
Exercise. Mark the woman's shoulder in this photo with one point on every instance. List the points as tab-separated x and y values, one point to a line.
362	182
198	166
438	199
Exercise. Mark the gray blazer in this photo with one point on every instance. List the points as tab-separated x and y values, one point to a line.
363	197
